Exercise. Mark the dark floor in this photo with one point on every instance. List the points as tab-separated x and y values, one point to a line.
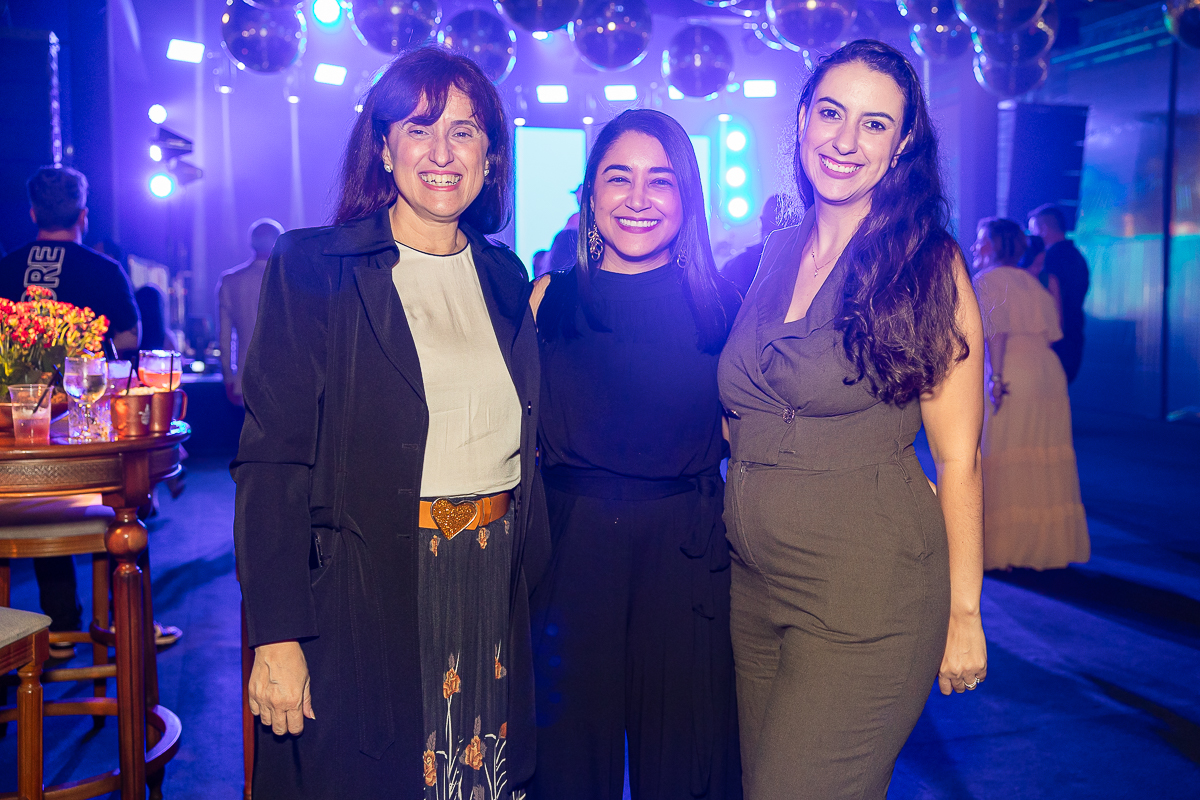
1093	686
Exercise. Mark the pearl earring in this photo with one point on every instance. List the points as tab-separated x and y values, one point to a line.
387	167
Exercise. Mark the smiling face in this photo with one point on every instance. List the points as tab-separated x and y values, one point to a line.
983	252
851	135
438	168
636	204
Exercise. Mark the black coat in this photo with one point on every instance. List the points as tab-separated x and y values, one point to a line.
331	452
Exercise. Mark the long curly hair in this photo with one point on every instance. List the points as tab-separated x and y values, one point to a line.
428	74
713	300
898	314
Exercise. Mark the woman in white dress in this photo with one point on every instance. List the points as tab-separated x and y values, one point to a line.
1032	512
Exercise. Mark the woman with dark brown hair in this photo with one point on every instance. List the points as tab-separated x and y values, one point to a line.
389	509
855	586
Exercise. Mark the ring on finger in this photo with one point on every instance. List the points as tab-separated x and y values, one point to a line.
973	684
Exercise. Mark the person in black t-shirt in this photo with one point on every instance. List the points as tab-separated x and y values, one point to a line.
82	277
58	261
1066	266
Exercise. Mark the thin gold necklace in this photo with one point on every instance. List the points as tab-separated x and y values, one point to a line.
813	249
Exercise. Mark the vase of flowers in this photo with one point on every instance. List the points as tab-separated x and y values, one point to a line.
36	336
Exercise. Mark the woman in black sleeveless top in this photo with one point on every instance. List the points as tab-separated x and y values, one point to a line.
631	622
854	585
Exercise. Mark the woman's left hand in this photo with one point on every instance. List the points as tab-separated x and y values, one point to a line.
964	664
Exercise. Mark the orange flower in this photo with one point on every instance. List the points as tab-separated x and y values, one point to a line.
483	537
500	670
473	755
452	684
430	768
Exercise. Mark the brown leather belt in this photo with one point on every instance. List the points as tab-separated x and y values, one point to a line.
452	518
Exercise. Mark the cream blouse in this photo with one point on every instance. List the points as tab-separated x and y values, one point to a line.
474	413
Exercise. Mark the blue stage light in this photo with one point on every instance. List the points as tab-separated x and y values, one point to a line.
155	153
327	12
541	36
157	114
331	74
183	50
162	185
620	93
738	207
758	88
736	141
735	176
674	93
552	93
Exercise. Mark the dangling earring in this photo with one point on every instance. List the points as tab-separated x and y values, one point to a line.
680	260
595	243
387	167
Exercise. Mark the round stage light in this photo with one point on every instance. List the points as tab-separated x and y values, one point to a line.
735	176
738	207
588	120
155	153
161	185
736	141
327	12
158	114
519	121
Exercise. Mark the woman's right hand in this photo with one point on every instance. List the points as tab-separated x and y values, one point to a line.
279	687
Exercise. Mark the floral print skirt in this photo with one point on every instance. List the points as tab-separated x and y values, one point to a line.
463	608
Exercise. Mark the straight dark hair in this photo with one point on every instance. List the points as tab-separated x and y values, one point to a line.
713	300
426	74
898	318
57	195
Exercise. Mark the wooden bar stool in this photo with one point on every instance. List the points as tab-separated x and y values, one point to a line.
24	645
76	525
60	526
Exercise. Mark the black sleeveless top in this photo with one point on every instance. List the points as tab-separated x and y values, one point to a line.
638	400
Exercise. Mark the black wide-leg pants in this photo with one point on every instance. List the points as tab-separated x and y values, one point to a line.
624	646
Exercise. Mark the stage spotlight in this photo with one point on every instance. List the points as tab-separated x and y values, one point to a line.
183	50
293	99
758	88
620	93
331	74
519	121
541	36
552	93
327	12
157	114
723	118
161	185
738	207
736	141
674	93
155	153
735	176
588	120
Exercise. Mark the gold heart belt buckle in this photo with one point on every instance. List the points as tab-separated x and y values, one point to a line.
453	518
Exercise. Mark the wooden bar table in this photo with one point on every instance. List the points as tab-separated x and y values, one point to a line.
123	472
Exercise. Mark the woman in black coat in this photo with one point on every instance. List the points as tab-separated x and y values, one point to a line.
389	513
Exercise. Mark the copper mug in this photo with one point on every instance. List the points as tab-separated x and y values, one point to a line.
131	413
163	406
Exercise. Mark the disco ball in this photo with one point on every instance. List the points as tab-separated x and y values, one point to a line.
940	41
1010	80
1183	20
539	15
394	26
698	62
1023	44
810	23
274	5
485	39
999	16
925	12
262	40
612	34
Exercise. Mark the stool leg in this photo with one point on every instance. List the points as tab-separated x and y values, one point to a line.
248	721
100	609
125	540
154	780
30	757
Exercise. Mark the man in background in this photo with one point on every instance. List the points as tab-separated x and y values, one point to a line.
58	261
740	269
1067	265
237	296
